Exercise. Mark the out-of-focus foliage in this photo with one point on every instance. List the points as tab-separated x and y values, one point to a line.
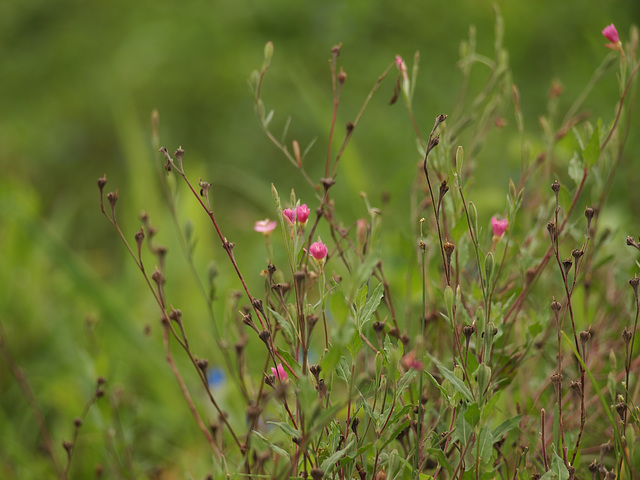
78	83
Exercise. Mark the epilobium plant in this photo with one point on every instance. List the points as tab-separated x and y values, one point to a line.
502	349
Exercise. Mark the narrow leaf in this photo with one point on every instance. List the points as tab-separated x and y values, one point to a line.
443	461
506	427
485	445
371	306
328	464
287	328
457	384
274	447
286	428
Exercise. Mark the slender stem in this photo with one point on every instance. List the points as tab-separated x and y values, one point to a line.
519	302
28	394
620	105
433	141
187	395
544	442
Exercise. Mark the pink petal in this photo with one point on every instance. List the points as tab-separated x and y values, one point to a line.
318	250
499	226
290	215
611	33
264	226
303	212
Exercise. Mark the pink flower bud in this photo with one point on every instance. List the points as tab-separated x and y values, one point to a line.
280	373
265	226
499	226
611	33
290	215
318	251
402	67
302	212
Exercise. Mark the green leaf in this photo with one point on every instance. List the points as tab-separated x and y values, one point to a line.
343	371
443	461
557	471
286	428
591	152
354	345
457	384
404	382
371	306
392	434
289	358
443	391
369	412
361	299
287	328
506	427
399	417
463	429
576	169
328	464
320	420
485	445
472	415
271	445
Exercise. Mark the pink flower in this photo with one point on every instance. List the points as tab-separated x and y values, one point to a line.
265	226
611	33
290	215
302	211
318	251
279	373
499	226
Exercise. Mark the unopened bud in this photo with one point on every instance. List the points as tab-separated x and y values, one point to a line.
157	277
112	197
444	188
468	330
265	336
566	265
634	284
342	76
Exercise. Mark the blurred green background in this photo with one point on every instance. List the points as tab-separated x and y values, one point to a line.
78	83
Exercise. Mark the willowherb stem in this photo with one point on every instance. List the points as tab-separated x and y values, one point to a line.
228	247
431	144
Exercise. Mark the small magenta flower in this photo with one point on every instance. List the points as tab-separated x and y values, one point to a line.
318	251
499	226
611	33
302	211
265	226
280	373
290	215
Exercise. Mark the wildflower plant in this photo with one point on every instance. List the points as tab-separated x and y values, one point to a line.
503	349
